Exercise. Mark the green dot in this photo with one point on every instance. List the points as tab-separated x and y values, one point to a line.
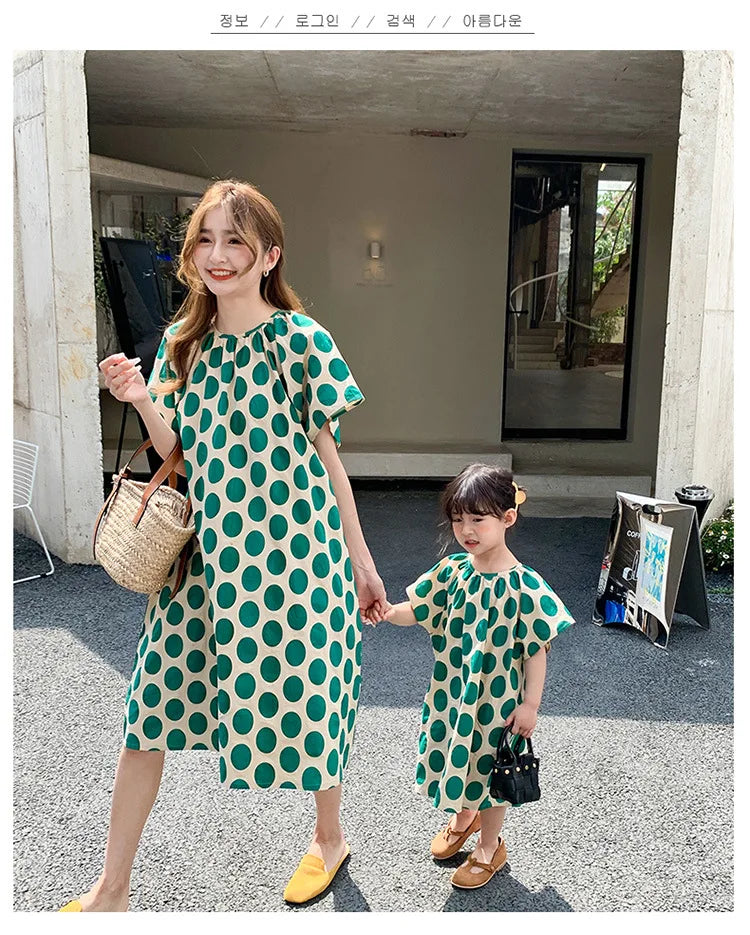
238	456
272	633
499	636
436	761
510	608
226	595
152	727
152	663
317	672
219	437
280	458
249	613
273	597
258	474
174	709
242	721
338	369
270	669
298	581
319	600
236	490
268	704
300	546
289	759
229	559
258	406
279	492
475	790
291	724
507	708
251	578
541	630
295	652
279	527
276	562
311	779
296	616
497	686
258	440
247	649
314	743
527	604
293	688
280	425
224	630
257	509
261	374
254	543
264	775
244	685
195	661
240	756
198	723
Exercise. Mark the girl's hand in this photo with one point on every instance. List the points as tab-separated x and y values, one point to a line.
522	719
123	378
371	593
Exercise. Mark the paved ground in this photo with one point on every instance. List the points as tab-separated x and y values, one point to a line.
635	744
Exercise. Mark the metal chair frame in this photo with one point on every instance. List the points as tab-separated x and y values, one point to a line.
25	457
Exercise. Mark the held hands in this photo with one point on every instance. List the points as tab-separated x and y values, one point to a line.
373	603
123	378
522	719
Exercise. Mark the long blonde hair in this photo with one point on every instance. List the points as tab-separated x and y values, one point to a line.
255	218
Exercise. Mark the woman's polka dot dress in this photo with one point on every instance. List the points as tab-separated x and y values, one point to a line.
483	627
258	654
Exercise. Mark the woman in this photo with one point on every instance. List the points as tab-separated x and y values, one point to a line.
257	655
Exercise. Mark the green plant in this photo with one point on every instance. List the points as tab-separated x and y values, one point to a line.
718	542
606	324
100	288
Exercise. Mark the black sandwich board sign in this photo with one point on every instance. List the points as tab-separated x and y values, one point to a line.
652	567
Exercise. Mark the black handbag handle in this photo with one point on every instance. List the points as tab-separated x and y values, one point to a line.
505	742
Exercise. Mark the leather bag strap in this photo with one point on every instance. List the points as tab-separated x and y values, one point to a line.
167	468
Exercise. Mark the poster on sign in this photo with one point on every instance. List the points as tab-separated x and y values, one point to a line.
652	567
651	580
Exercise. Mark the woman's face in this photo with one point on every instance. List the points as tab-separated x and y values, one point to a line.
222	258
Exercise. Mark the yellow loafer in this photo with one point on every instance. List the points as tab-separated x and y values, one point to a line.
311	878
73	906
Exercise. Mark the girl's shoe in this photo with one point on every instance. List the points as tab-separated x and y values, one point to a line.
73	906
464	879
311	878
449	842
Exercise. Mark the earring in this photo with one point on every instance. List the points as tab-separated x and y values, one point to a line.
266	272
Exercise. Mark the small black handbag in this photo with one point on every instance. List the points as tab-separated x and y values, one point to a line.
515	776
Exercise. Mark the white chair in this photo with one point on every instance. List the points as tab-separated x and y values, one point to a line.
25	456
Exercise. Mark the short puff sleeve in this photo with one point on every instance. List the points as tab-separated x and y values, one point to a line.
319	382
166	403
542	614
428	595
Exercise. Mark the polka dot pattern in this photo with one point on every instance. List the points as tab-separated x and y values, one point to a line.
257	656
482	627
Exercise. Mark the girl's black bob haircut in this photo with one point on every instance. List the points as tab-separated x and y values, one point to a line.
480	488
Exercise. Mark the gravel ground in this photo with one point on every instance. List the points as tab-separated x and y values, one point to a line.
625	737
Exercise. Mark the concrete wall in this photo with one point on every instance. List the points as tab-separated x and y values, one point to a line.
427	345
696	435
56	402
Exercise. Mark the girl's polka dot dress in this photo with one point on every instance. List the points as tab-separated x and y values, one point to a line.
483	626
258	654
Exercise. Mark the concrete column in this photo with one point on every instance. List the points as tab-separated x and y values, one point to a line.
696	427
55	380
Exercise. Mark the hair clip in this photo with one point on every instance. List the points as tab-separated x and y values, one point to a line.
520	494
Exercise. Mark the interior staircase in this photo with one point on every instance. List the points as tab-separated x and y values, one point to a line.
536	346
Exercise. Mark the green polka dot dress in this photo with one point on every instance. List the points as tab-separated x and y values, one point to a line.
482	627
258	654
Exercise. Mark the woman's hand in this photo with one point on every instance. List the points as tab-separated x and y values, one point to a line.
123	378
522	719
371	594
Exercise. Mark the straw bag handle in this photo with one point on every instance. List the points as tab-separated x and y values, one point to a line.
166	469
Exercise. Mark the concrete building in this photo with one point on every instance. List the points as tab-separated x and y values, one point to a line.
466	334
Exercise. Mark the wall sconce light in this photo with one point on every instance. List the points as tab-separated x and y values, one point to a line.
373	249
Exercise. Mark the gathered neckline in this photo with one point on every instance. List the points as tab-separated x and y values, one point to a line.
245	334
490	574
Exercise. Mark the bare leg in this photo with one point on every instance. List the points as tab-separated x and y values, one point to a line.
492	823
328	840
460	821
136	784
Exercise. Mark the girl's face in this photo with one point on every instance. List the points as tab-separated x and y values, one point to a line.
221	257
479	534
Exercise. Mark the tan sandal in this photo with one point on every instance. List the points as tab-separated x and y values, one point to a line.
449	842
464	879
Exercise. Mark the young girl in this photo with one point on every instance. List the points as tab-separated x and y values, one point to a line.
489	616
257	655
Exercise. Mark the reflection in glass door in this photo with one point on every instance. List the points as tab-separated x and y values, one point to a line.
570	296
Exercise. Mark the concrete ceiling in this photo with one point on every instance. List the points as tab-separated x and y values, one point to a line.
632	95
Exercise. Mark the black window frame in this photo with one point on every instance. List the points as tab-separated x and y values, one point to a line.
582	434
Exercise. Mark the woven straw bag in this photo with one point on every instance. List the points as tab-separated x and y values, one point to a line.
143	529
